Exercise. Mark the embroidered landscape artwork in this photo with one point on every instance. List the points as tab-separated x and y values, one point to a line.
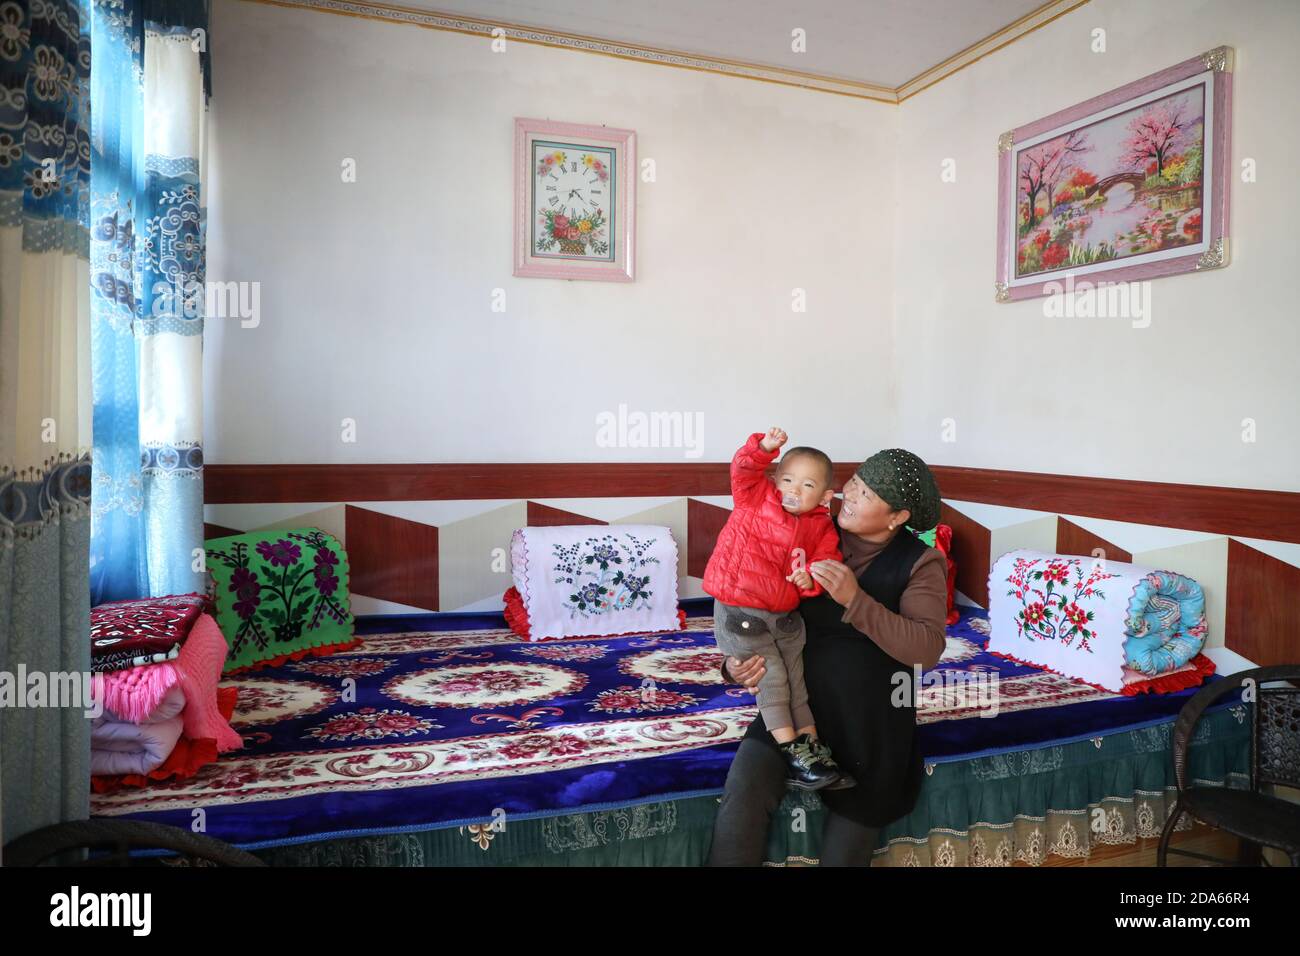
1123	186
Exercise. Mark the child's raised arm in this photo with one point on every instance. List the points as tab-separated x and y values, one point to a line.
749	466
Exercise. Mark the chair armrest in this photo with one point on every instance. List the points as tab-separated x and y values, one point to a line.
32	849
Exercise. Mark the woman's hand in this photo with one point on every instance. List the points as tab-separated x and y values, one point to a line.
837	580
748	671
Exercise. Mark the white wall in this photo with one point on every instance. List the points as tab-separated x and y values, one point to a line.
1098	396
376	295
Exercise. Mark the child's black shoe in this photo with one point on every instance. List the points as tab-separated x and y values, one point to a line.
807	771
823	753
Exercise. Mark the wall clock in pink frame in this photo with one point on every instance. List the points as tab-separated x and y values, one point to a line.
1127	186
575	201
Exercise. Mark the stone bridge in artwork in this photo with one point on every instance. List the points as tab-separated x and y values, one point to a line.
1104	186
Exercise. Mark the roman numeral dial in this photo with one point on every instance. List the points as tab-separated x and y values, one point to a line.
572	192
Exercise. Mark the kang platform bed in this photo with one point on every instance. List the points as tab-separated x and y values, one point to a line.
445	739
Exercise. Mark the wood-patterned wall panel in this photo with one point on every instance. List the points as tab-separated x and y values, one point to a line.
392	559
1246	512
971	543
1263	607
544	516
703	524
1072	539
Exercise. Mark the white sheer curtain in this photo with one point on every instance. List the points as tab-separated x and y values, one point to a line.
147	272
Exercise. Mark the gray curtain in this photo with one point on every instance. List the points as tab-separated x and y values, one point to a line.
45	410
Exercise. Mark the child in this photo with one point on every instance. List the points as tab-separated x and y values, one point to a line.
757	574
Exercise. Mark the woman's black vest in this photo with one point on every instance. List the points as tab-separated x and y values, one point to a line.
863	701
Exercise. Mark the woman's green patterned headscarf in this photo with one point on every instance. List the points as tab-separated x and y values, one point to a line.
903	481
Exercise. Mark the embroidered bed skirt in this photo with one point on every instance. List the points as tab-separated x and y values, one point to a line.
1022	806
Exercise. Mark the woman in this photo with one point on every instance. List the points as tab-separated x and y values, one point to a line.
883	612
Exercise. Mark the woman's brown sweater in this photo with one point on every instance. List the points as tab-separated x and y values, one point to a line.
916	634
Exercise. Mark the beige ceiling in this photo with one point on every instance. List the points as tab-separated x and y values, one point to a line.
884	43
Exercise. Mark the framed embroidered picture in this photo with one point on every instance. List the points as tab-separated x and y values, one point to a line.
1127	186
575	201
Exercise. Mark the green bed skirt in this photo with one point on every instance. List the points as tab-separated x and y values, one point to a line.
983	811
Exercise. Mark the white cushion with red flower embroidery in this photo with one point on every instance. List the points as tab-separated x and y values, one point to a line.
1064	612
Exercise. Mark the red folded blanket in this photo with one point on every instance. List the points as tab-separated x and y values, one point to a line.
517	617
943	541
141	631
1192	674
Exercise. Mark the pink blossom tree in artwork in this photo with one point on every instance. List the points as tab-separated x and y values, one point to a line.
1154	134
1072	145
1044	166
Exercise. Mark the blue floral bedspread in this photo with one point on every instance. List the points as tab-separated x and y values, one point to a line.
442	720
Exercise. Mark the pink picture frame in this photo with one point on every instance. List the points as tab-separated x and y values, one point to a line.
1124	187
575	201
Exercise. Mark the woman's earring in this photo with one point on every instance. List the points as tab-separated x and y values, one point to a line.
891	526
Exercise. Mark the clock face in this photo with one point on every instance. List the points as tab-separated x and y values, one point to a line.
573	201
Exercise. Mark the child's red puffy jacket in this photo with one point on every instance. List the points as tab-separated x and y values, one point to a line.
756	548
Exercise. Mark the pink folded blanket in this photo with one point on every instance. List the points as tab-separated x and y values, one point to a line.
136	693
170	706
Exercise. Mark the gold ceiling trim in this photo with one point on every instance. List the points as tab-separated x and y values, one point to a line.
990	44
540	36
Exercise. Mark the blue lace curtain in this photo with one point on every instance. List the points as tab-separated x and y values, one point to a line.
44	403
149	91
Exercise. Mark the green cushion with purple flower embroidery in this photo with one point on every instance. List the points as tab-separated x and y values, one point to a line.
280	595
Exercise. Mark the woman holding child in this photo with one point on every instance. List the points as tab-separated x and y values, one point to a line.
877	612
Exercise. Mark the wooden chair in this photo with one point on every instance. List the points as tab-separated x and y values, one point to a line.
1255	818
119	837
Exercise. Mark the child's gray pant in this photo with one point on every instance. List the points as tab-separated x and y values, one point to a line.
745	631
